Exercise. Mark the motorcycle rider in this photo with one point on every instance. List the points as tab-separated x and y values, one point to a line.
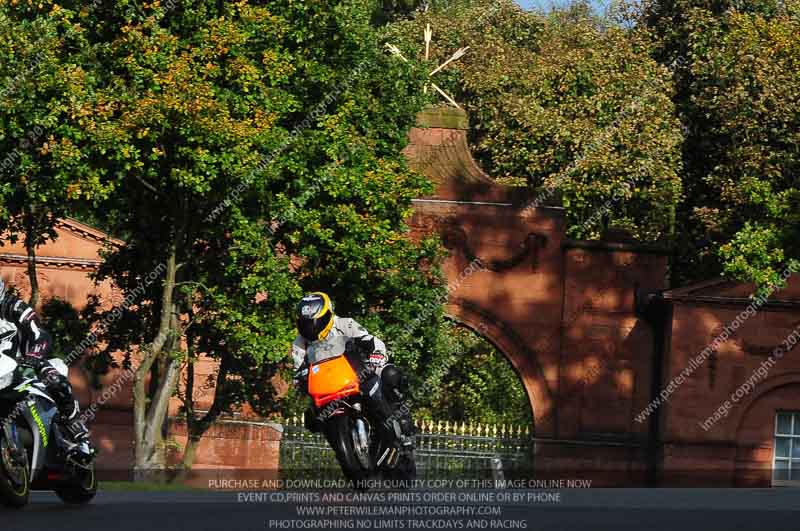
31	345
316	321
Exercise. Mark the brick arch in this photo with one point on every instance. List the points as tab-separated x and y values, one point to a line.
524	362
552	305
763	389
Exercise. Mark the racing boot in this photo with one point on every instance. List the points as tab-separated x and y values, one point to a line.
406	432
77	445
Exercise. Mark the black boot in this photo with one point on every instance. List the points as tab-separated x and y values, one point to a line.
311	421
395	390
407	432
76	440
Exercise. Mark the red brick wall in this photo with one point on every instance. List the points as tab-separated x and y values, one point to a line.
231	449
112	434
518	308
563	313
737	448
607	351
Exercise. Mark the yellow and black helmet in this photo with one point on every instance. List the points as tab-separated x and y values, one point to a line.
315	316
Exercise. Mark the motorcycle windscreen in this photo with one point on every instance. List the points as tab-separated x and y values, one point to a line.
332	347
333	378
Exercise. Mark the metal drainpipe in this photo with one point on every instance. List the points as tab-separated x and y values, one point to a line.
653	308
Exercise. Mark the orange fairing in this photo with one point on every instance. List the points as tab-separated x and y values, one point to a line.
332	379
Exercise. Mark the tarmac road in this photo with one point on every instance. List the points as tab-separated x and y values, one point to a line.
584	509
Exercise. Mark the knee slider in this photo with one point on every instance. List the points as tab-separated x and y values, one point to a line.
391	376
393	381
57	384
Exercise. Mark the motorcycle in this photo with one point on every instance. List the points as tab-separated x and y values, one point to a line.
32	449
334	375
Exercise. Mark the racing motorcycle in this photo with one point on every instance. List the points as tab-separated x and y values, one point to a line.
32	450
334	375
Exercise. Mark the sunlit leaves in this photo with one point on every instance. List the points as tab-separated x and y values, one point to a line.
556	101
46	102
744	95
267	138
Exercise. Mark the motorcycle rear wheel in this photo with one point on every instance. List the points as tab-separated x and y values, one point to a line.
13	493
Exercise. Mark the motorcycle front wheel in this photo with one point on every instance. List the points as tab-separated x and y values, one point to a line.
339	432
82	489
14	481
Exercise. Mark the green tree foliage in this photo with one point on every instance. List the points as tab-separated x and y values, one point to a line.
735	65
558	102
745	81
253	149
65	324
45	113
480	386
671	21
388	10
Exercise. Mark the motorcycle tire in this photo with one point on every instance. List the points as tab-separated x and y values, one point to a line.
12	494
339	432
82	490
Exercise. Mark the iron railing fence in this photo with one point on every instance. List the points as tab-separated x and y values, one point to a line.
445	450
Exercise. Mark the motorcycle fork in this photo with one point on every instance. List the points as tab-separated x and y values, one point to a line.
384	448
15	452
388	456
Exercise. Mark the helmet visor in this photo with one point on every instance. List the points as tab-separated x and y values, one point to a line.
311	328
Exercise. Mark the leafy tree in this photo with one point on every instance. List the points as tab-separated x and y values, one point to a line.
388	10
734	65
242	320
480	386
45	111
744	101
671	24
256	155
192	114
65	323
559	103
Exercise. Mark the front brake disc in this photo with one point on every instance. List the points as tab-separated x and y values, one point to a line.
14	461
361	443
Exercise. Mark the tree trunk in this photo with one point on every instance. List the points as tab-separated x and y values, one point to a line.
195	429
189	455
149	415
157	413
30	247
190	449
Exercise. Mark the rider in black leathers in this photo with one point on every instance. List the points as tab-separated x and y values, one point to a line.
32	346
